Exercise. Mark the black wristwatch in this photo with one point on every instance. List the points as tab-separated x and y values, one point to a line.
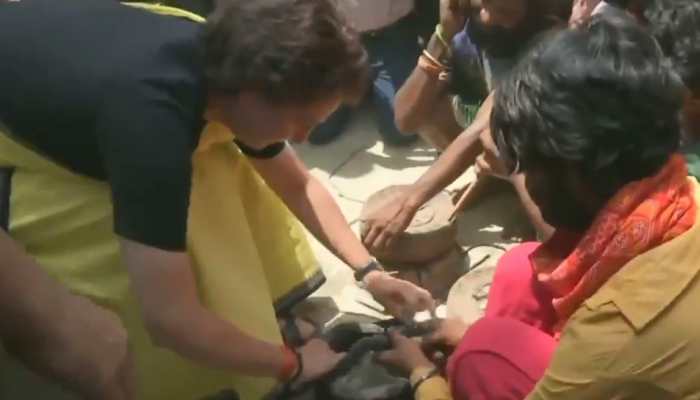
373	265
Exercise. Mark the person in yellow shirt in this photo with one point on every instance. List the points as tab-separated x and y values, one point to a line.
606	308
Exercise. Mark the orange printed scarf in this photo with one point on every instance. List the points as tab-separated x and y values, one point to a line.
641	216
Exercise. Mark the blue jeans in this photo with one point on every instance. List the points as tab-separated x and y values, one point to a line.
393	52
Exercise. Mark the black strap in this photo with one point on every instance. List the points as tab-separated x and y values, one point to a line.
373	265
431	374
5	190
291	332
270	151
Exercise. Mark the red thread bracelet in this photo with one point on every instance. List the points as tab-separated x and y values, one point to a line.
291	365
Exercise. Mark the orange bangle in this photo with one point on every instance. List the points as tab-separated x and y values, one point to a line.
428	66
291	365
434	60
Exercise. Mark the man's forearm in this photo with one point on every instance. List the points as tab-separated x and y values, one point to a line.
419	95
30	301
87	352
458	157
57	334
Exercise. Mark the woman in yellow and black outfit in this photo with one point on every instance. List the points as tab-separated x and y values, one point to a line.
128	187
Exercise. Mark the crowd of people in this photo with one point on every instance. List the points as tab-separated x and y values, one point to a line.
153	211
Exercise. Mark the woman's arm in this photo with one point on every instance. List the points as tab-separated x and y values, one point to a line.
176	319
309	200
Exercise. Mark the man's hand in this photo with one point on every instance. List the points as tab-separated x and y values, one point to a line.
401	298
87	352
109	374
384	225
489	162
449	332
453	16
406	354
317	360
581	10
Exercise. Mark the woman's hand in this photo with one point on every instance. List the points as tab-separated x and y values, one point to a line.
406	354
317	360
401	298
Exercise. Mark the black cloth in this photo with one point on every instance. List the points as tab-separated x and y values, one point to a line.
199	7
113	93
5	190
358	376
270	151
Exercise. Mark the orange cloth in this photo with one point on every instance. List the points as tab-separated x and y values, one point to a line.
641	216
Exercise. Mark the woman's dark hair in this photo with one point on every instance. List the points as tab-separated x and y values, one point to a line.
676	26
290	50
599	98
619	3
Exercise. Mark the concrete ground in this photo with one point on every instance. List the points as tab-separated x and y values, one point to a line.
359	164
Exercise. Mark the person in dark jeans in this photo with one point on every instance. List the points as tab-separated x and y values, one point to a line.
393	50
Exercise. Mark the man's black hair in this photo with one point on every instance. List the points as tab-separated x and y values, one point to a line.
467	79
619	3
540	16
676	26
600	99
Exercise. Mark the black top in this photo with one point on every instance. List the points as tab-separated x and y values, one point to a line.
113	93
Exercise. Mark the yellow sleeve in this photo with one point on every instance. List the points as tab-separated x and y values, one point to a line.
435	388
581	368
